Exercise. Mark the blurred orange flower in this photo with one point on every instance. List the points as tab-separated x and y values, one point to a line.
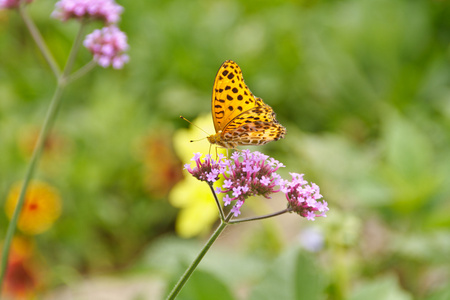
54	144
41	208
21	278
162	167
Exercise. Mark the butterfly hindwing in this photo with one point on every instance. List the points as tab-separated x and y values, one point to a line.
257	126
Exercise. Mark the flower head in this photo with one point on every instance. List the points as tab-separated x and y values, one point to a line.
108	45
207	169
302	197
41	208
10	4
312	239
106	10
249	174
22	277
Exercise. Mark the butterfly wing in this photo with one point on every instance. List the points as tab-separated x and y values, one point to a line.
231	97
256	126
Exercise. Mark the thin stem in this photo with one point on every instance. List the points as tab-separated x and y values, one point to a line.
46	127
260	217
39	40
176	290
222	215
81	71
73	53
49	119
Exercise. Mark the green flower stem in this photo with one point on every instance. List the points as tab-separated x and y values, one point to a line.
73	53
49	119
176	290
260	217
46	127
82	71
39	40
222	215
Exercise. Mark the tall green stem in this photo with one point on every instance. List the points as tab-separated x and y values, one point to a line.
176	290
46	127
73	53
39	40
49	119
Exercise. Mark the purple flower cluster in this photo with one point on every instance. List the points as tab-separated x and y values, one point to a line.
249	174
253	173
10	4
105	10
207	170
302	198
108	45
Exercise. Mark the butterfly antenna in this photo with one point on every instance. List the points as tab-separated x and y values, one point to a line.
195	126
197	140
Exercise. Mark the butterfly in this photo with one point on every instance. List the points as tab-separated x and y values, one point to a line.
239	117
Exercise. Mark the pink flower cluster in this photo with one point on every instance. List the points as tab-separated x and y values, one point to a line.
207	170
249	174
253	173
108	45
105	10
302	198
10	4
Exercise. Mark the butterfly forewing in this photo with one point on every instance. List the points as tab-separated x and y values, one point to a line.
231	96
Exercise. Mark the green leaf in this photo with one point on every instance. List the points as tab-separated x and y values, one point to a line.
408	149
409	169
386	288
204	286
294	275
443	294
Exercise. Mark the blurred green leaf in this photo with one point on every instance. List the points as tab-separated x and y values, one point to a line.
204	286
386	288
410	169
293	275
443	294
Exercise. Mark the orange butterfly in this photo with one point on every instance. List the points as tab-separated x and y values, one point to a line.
239	117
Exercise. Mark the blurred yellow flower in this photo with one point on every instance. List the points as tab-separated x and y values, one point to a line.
41	208
198	208
185	149
21	248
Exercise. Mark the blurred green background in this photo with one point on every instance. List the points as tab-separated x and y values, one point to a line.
363	88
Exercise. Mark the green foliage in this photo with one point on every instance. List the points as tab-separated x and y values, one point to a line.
293	275
383	288
361	86
204	286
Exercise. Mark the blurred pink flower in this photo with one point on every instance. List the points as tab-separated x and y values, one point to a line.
107	10
10	4
108	46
